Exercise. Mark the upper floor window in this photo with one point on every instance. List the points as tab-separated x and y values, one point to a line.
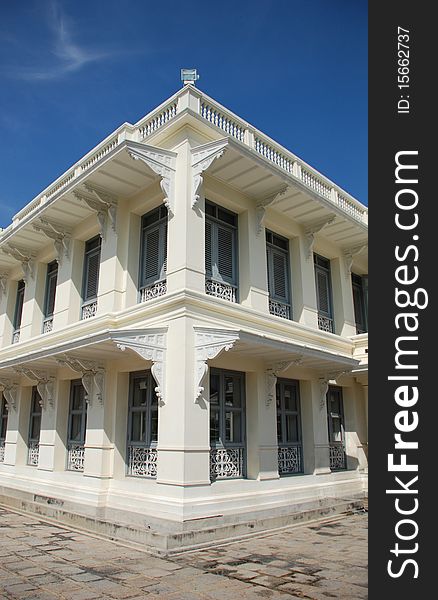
220	252
3	426
277	251
33	445
18	311
359	285
77	423
336	431
153	254
290	458
323	293
49	300
90	279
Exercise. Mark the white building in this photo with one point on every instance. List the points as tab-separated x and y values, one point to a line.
183	347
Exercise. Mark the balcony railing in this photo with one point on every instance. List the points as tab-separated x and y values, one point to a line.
325	323
338	459
153	291
75	457
33	452
279	309
89	309
290	460
227	463
220	290
142	461
2	451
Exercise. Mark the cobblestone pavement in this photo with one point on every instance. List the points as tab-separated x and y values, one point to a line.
321	560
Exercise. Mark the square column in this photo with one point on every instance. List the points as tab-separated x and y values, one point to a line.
8	293
343	307
261	426
18	425
69	287
110	289
355	427
303	283
32	316
253	284
54	417
315	430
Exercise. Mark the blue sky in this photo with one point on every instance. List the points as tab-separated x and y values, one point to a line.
72	71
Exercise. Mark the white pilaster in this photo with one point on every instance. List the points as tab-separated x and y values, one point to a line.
69	287
315	430
342	297
253	283
303	283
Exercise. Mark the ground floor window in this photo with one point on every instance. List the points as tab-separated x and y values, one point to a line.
142	426
3	426
33	445
77	423
227	424
290	448
336	431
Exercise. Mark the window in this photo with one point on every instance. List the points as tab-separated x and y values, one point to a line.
77	423
323	293
277	254
153	254
359	285
49	300
142	425
288	427
90	279
18	311
227	424
3	426
336	432
33	445
220	252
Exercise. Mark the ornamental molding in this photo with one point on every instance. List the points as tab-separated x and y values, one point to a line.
92	375
25	257
59	234
162	162
3	284
202	157
45	384
102	202
9	389
311	229
272	373
209	343
349	254
262	205
152	347
324	385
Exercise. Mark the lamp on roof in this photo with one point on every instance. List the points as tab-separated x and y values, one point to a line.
189	76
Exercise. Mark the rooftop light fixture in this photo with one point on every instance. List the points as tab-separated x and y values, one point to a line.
189	76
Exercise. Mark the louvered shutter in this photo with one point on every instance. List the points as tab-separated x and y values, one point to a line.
323	292
19	305
280	276
52	278
151	255
225	253
208	248
163	247
92	275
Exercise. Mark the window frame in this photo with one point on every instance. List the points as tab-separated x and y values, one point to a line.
357	283
4	415
162	225
271	248
148	410
222	443
19	305
323	265
216	222
88	254
331	415
77	383
52	274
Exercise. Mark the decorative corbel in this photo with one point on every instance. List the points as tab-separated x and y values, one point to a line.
9	389
152	347
3	284
24	257
262	205
324	384
349	254
202	158
272	372
45	383
209	343
102	202
311	229
162	162
92	376
60	235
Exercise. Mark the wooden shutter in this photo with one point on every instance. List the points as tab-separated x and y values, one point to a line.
225	253
92	275
322	278
52	277
280	279
154	259
208	247
19	304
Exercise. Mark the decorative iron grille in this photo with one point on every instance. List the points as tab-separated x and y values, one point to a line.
2	451
75	457
226	463
220	290
325	323
279	309
48	325
89	310
142	462
33	453
338	460
153	291
290	460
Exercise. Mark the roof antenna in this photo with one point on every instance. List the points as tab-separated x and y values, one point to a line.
189	76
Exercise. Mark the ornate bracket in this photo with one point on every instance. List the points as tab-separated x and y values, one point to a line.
202	157
45	384
162	162
349	254
102	202
61	237
272	372
209	343
92	375
263	205
24	257
9	389
152	347
3	284
311	229
324	385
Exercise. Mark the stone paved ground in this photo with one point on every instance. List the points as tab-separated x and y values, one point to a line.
322	560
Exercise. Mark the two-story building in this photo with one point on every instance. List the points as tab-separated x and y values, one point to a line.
183	346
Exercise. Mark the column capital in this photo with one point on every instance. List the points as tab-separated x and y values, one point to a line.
24	256
202	158
92	376
9	389
45	383
60	235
